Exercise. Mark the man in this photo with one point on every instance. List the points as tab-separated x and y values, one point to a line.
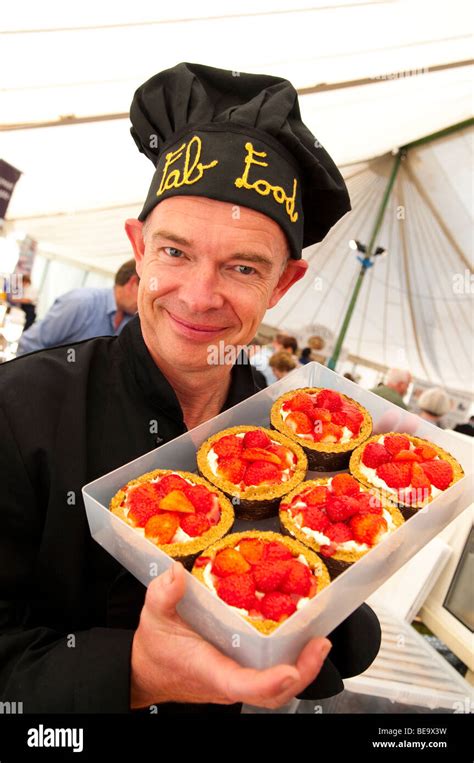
85	313
79	633
395	387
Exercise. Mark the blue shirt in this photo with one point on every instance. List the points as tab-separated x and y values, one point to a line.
79	314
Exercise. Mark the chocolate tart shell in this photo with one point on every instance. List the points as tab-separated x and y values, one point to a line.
315	563
322	457
342	559
259	501
407	510
187	552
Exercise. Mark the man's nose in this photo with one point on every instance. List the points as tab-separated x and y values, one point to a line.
201	289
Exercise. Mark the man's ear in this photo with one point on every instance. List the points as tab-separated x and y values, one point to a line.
134	231
295	269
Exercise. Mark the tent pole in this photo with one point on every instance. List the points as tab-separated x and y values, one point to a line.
366	262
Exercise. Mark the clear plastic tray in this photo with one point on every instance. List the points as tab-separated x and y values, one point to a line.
204	611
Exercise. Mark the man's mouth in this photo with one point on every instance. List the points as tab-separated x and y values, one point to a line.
196	328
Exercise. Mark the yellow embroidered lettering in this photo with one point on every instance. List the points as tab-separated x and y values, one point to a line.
192	171
263	187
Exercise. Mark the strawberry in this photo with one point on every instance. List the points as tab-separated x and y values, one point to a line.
260	454
238	591
439	472
170	482
321	414
341	507
261	471
344	484
339	418
375	454
414	496
419	479
229	562
162	527
395	475
316	519
277	606
339	533
194	524
202	561
329	399
354	417
368	528
369	503
177	501
268	576
299	422
300	402
202	499
274	550
287	459
297	579
316	496
394	443
143	504
256	439
213	516
407	455
252	549
228	446
426	452
329	433
232	468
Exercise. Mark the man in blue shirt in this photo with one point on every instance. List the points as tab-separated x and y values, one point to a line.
86	313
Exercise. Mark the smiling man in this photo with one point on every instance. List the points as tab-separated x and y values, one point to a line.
240	186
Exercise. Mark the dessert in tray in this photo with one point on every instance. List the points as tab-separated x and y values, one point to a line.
178	511
253	466
327	424
407	470
338	519
265	576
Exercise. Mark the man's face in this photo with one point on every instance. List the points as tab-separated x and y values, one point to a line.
205	277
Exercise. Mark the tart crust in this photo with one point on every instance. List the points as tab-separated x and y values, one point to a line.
342	559
406	510
322	457
256	501
230	541
187	552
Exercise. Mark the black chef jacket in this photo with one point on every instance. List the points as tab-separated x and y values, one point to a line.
68	610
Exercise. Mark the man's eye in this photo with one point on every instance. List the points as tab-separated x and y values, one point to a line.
172	251
246	270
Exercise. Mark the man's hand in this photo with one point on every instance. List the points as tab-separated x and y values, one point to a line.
171	663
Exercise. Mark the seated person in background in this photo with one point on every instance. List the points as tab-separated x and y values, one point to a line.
85	313
282	363
26	300
467	428
395	387
434	403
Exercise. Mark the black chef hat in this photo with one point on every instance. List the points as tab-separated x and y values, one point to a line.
238	138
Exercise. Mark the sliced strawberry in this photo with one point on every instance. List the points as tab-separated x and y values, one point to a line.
369	503
344	484
329	399
329	433
232	468
296	579
316	496
339	533
368	528
275	550
256	439
300	402
161	528
316	519
260	454
419	479
354	417
177	501
238	591
287	458
439	472
229	562
375	454
395	475
142	503
407	455
339	508
261	471
213	515
426	452
202	499
299	422
228	446
321	414
268	576
170	482
394	443
202	561
194	524
252	549
277	606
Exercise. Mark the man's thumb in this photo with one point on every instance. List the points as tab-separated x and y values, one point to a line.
166	590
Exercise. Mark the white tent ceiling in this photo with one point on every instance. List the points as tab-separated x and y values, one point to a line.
371	75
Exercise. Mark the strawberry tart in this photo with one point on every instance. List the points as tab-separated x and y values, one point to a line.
178	511
327	424
264	576
255	467
338	519
408	470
